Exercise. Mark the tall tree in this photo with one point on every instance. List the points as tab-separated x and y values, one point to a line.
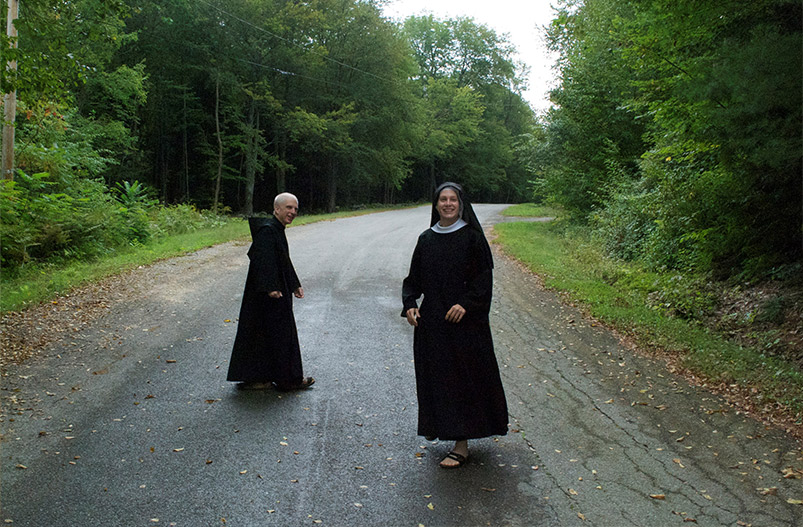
470	88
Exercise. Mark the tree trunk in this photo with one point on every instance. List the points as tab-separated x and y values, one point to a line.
281	166
331	186
186	153
10	99
219	145
250	159
162	156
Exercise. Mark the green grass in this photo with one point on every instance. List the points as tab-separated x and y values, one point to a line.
616	293
531	210
40	283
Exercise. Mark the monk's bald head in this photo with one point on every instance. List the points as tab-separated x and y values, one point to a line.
285	208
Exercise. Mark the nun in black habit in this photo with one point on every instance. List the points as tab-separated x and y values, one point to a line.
460	394
266	347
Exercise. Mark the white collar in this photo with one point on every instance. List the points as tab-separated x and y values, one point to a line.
459	224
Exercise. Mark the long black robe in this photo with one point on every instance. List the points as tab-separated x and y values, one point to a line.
266	346
460	394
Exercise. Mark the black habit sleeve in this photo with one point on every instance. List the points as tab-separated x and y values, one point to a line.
265	256
480	279
411	287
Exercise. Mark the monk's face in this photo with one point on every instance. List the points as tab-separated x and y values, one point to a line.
286	211
448	207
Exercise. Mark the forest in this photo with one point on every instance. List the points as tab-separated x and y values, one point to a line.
674	133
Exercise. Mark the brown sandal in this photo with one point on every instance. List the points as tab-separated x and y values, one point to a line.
305	383
460	458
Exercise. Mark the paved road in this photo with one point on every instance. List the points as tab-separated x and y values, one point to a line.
131	422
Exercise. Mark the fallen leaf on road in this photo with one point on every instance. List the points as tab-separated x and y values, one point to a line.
178	450
768	491
658	496
794	502
581	516
21	467
430	506
791	473
488	490
573	492
676	460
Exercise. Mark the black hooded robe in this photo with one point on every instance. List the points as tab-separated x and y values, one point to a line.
266	347
460	393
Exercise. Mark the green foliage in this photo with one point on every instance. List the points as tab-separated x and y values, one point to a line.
134	194
60	44
48	219
473	117
183	218
677	131
531	210
53	220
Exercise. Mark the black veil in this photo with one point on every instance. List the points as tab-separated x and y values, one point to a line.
467	213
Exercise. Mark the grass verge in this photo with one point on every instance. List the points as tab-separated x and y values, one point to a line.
617	292
531	210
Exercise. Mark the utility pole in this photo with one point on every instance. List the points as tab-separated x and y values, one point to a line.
10	99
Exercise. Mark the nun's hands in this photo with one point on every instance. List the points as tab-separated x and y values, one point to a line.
412	316
299	293
455	313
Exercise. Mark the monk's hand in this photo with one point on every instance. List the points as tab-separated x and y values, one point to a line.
455	313
299	292
275	294
412	316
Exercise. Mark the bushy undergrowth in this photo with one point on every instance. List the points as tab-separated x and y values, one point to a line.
50	219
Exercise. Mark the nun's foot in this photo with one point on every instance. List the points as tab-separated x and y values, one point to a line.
453	460
457	457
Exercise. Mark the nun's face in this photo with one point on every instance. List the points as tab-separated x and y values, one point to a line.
448	207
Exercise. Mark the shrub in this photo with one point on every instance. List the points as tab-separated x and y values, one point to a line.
43	219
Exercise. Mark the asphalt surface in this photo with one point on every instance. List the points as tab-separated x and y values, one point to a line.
131	422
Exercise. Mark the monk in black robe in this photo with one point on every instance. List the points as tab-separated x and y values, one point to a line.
266	349
460	394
